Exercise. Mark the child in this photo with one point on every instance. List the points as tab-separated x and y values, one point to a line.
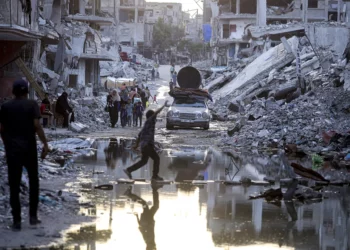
139	113
123	115
146	138
155	99
129	111
174	76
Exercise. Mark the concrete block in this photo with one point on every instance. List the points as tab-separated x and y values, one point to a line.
78	127
275	58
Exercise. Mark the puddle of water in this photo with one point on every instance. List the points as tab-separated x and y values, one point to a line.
208	216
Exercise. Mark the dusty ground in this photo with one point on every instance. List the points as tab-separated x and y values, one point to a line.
55	220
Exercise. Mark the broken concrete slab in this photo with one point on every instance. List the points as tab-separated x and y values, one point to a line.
239	124
275	58
78	127
235	107
310	65
257	32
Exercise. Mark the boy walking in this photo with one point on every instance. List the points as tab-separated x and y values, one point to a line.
146	140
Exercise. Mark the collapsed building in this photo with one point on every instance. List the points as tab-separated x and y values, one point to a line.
54	44
231	21
289	93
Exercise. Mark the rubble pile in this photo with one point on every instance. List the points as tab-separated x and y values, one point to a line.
90	112
268	105
59	163
118	68
301	121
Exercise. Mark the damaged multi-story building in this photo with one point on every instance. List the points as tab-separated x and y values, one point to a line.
194	29
231	20
20	42
54	44
171	13
78	53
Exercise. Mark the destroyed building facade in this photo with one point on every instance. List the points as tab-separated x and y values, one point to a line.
55	46
231	21
194	30
20	42
171	13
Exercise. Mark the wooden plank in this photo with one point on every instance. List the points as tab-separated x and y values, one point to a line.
33	83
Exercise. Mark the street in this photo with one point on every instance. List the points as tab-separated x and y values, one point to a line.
198	209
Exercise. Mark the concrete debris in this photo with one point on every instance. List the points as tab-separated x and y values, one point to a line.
275	58
89	113
78	127
58	164
270	103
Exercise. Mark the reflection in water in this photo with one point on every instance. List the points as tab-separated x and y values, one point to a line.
210	216
146	222
89	235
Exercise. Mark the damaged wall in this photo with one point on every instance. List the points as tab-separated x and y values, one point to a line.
328	37
126	32
234	29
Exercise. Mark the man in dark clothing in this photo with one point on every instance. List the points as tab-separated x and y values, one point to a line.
146	139
63	108
146	222
143	98
20	120
153	73
139	113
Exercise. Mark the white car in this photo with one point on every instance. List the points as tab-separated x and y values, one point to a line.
188	113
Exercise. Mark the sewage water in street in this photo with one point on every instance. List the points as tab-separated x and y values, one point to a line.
206	216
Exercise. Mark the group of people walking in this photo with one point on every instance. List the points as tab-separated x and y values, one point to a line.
128	106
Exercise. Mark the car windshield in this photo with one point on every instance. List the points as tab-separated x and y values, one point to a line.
189	102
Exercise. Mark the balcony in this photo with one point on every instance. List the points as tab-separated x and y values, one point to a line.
17	25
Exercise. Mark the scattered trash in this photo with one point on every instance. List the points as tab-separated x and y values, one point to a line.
307	173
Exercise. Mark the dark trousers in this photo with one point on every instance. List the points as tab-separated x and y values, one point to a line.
147	152
144	101
65	119
113	115
124	120
138	118
15	167
129	120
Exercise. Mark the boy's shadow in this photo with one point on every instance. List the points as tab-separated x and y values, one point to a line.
146	220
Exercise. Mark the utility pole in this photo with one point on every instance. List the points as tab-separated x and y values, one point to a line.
339	9
305	10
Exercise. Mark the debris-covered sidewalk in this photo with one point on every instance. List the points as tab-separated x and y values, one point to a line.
56	200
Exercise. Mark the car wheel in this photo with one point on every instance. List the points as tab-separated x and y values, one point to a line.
169	127
206	127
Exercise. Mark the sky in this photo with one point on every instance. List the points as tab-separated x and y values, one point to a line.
186	4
